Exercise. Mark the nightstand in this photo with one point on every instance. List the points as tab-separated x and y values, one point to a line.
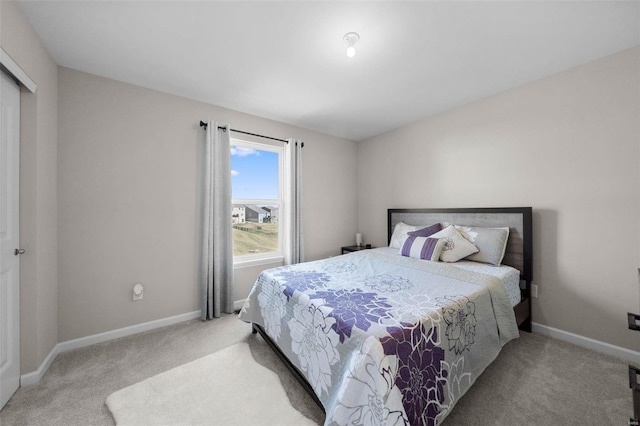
349	249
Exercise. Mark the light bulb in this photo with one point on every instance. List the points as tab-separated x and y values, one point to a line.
351	39
351	51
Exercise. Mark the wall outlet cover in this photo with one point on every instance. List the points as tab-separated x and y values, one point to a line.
138	291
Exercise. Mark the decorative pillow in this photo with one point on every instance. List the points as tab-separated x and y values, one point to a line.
491	243
428	231
425	248
400	234
455	246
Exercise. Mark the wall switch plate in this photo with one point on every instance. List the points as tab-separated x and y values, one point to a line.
534	291
138	291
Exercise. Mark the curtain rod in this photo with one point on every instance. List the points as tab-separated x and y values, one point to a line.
203	124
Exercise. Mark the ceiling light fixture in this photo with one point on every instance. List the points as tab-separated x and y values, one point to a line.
351	39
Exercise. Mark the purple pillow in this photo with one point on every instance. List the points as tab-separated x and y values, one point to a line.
426	232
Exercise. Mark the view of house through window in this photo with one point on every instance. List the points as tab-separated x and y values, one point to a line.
256	186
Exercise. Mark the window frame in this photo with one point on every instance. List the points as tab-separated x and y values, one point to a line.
251	260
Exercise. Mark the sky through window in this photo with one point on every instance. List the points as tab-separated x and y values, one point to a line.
254	173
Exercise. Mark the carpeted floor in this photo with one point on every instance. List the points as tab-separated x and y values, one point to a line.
535	380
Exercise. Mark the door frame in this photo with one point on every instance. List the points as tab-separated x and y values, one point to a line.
11	67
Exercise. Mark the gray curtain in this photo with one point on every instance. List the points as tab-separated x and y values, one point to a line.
295	246
216	267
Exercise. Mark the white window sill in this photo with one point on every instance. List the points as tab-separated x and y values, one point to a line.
275	260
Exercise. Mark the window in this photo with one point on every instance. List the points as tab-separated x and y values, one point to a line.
257	198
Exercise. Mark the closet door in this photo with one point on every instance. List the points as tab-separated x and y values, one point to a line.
9	242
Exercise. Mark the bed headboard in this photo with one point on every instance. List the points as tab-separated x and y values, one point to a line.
519	250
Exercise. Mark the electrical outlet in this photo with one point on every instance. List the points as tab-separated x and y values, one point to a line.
534	291
138	291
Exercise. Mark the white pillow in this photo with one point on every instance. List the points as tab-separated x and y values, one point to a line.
456	246
491	242
399	235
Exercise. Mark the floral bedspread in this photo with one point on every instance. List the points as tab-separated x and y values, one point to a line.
381	338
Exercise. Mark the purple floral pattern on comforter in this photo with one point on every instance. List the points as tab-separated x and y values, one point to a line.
352	308
382	339
420	376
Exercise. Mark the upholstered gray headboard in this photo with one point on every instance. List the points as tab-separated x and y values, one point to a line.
519	246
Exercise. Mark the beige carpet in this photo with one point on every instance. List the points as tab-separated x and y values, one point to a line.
535	381
225	388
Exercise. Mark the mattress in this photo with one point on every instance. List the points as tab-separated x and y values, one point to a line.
509	276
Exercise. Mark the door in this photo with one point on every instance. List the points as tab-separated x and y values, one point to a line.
9	242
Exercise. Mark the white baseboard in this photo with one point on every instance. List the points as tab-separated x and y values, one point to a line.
35	376
586	342
237	305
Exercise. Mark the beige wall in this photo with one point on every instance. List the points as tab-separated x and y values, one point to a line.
244	278
568	145
38	190
128	200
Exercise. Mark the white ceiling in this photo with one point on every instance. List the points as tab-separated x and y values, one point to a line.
286	60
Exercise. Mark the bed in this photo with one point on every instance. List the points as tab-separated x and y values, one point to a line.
383	336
